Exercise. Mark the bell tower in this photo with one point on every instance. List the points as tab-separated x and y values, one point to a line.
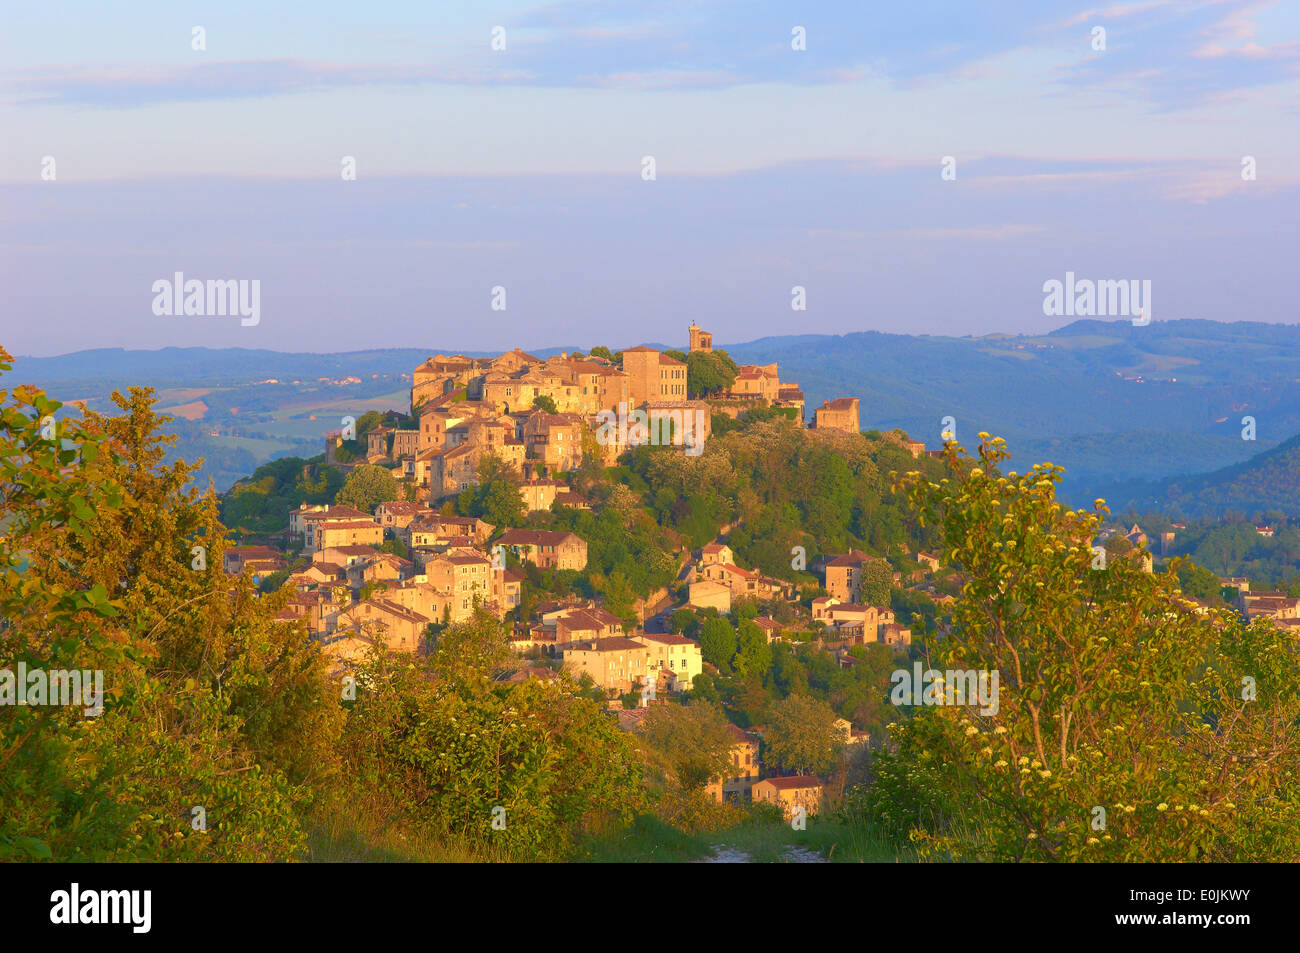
700	340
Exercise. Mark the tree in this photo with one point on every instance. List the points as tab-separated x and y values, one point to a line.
691	743
681	620
1198	582
524	768
753	653
718	643
1112	694
876	582
619	597
802	736
601	351
261	502
544	402
1117	545
108	563
709	372
496	498
367	486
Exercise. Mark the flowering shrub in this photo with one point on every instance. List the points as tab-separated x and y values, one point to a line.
1129	728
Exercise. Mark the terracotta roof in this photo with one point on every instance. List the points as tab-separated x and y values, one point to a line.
352	550
667	638
581	620
613	643
394	608
743	573
739	735
402	506
535	537
798	781
254	552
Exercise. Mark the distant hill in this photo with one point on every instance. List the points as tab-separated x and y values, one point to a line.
1109	401
1267	481
1113	403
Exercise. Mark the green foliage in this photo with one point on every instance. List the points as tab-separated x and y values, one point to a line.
709	372
457	751
689	743
210	701
1111	695
1198	582
622	540
1232	547
681	620
781	487
718	643
495	499
753	654
802	736
544	402
261	503
876	582
367	486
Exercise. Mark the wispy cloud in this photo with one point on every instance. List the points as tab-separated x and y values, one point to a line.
982	233
129	86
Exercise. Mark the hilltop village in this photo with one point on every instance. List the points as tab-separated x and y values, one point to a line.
401	571
474	503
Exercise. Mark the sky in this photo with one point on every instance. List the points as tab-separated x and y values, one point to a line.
502	145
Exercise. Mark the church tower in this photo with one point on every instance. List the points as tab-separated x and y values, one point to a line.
700	340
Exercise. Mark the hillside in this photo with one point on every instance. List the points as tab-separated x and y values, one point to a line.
1113	403
1269	481
1109	401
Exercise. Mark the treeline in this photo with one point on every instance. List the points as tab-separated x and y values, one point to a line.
778	486
224	732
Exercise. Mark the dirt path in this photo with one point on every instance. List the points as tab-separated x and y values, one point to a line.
792	855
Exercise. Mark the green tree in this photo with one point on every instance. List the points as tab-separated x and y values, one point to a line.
802	736
1112	693
210	701
876	582
681	620
496	498
709	372
544	402
1198	582
367	486
690	743
718	643
753	653
448	749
